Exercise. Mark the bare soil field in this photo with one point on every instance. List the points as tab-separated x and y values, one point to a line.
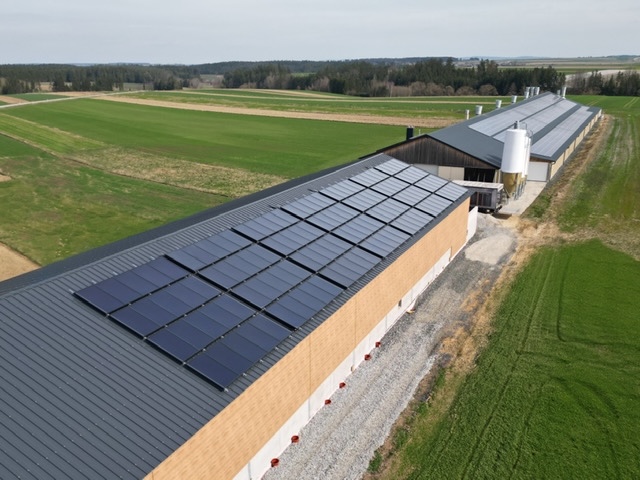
12	263
434	122
12	100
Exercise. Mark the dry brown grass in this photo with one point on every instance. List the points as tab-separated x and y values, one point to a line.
224	181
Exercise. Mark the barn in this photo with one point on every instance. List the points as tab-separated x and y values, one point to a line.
198	349
472	150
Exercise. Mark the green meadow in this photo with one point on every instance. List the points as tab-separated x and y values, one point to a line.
555	392
87	172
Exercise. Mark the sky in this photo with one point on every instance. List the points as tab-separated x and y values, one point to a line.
210	31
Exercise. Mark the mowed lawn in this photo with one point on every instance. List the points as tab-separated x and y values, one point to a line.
84	172
556	391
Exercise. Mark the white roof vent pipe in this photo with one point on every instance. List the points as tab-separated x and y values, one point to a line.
466	113
564	92
537	91
478	109
527	92
498	104
514	98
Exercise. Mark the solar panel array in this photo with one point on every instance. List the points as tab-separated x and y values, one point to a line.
220	305
565	130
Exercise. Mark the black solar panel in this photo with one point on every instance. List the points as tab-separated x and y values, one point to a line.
388	210
431	183
411	195
451	191
333	216
292	238
412	221
358	229
307	206
411	174
434	205
116	292
385	241
239	266
370	177
265	225
342	190
350	267
390	186
364	200
205	252
320	252
392	167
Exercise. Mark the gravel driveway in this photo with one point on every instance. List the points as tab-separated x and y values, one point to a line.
341	439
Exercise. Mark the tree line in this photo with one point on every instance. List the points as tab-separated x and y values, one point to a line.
624	83
369	77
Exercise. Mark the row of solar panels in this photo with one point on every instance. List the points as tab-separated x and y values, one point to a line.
221	304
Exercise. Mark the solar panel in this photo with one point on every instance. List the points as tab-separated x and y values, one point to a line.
392	167
333	216
370	177
116	292
303	302
209	250
350	267
412	221
265	225
308	205
320	252
434	205
385	241
411	174
411	195
390	186
358	229
452	192
364	200
431	183
239	266
342	190
388	210
292	238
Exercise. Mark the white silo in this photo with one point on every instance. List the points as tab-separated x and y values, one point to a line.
514	159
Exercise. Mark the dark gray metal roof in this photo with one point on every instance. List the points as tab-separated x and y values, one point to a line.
82	397
553	121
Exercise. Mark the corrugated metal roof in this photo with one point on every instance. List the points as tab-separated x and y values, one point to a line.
81	397
553	120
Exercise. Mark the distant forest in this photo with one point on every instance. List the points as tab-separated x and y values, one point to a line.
367	78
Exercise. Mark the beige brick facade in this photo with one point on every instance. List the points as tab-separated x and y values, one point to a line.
229	441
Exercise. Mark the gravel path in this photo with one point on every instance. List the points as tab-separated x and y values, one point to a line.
341	439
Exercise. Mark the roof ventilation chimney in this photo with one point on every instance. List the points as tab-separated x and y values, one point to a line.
466	113
527	92
478	109
498	104
537	91
564	91
514	98
409	132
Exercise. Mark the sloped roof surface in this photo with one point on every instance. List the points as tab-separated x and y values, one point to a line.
85	392
553	121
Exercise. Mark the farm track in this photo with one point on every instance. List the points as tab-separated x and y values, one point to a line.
434	122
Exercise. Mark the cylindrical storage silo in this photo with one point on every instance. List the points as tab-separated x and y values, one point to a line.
513	159
478	109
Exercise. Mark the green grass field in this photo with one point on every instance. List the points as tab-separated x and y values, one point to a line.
87	172
555	393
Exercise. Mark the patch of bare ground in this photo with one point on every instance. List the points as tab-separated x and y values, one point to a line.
12	263
4	178
224	181
434	122
11	100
